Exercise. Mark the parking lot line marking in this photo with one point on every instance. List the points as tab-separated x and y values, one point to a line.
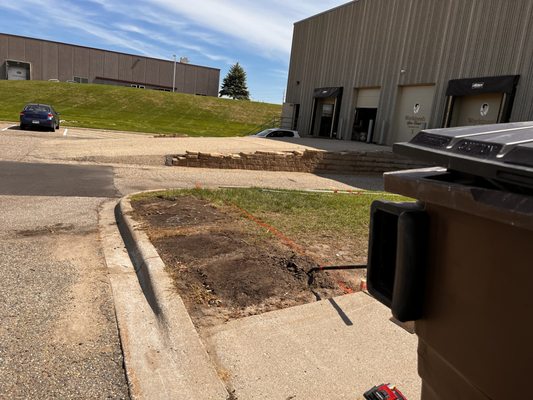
65	132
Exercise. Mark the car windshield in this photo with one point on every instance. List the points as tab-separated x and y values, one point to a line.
37	108
263	133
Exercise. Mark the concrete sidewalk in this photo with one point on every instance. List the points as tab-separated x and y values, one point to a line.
333	349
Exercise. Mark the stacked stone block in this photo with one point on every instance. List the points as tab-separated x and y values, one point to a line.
313	161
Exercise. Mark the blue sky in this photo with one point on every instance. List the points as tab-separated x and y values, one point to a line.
216	33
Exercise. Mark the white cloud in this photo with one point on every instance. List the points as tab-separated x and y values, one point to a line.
253	25
177	45
266	25
130	28
261	26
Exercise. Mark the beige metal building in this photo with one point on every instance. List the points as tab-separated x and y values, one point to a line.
24	58
381	70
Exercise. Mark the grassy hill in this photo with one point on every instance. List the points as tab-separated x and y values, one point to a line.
130	109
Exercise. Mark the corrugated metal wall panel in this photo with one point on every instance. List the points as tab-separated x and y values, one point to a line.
214	82
523	105
367	43
110	65
166	70
202	78
152	72
190	80
66	61
96	66
16	48
81	62
34	56
49	60
125	71
3	56
3	48
139	69
180	77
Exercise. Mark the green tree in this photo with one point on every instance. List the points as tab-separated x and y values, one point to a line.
234	84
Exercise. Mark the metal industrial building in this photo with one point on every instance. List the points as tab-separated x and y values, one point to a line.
23	58
381	70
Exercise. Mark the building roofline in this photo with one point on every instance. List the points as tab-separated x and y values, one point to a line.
326	12
109	51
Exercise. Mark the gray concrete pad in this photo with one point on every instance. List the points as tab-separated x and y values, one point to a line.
333	349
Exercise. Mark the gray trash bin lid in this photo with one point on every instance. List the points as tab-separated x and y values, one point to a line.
502	153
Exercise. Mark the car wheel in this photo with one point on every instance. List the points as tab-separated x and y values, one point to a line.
22	127
52	128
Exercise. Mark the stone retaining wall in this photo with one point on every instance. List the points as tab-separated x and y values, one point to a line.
297	161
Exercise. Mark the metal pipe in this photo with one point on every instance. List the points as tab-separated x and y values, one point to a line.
370	133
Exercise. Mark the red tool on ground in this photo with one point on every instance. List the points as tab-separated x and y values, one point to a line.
384	392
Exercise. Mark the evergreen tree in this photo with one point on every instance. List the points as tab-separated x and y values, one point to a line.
234	84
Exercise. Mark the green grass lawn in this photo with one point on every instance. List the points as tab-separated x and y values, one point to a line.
298	214
130	109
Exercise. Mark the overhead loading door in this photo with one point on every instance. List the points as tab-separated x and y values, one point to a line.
366	109
326	110
479	101
368	98
477	110
17	70
413	112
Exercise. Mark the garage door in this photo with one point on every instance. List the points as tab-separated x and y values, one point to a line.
413	112
368	98
17	71
477	110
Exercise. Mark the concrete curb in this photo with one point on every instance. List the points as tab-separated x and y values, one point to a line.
164	356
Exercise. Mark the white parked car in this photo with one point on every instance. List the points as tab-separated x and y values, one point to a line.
277	133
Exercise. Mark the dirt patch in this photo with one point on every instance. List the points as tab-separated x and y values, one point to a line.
225	266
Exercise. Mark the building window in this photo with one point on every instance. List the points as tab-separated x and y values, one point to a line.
79	79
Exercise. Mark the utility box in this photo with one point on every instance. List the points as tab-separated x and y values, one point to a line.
467	264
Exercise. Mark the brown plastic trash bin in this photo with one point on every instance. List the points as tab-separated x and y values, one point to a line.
475	334
467	281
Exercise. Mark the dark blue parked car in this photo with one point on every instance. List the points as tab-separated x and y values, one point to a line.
39	115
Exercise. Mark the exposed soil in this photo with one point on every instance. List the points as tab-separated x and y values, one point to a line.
225	266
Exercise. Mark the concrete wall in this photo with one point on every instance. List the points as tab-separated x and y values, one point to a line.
52	60
390	44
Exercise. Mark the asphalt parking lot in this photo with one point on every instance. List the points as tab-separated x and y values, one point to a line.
80	144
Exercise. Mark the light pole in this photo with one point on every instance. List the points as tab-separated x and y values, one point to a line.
174	75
